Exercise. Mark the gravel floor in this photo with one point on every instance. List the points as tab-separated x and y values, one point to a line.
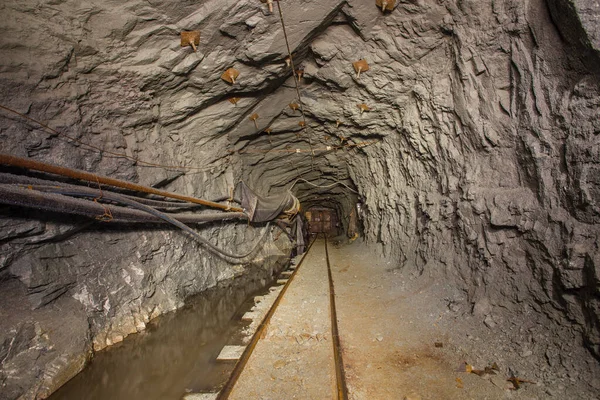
401	339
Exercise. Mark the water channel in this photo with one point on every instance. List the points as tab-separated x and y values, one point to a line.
176	353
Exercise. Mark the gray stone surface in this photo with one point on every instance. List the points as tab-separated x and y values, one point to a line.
200	396
231	353
484	173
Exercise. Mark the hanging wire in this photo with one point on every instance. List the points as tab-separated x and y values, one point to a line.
323	186
312	150
287	43
100	150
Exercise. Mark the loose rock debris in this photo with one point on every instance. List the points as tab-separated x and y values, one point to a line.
517	382
491	370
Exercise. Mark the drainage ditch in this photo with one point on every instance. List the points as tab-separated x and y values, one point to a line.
177	352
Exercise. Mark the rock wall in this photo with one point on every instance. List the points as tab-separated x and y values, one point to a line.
476	163
493	136
107	75
62	300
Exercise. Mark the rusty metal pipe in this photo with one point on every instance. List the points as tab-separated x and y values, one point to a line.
52	199
27	163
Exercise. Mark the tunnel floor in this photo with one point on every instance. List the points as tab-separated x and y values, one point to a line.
294	357
399	339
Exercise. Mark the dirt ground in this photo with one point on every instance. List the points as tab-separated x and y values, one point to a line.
294	358
402	340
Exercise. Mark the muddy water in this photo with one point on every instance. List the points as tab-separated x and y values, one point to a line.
176	353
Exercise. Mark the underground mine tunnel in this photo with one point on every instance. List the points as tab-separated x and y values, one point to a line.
352	199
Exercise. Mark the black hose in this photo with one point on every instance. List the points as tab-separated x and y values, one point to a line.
181	225
80	175
226	198
161	204
8	193
283	226
21	196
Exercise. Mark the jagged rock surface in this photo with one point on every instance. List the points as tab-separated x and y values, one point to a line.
483	171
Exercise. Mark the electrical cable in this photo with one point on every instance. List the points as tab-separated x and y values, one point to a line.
98	179
6	196
51	199
161	204
323	186
287	43
312	151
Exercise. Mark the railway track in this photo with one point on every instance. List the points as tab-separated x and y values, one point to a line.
284	338
342	389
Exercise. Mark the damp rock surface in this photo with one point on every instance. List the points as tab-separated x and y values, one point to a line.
476	164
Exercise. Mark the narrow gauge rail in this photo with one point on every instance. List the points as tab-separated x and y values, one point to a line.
341	388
